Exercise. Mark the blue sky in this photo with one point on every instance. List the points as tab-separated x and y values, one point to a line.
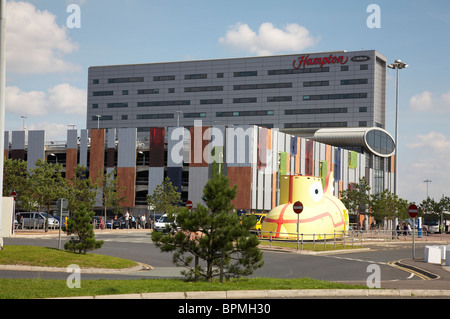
48	62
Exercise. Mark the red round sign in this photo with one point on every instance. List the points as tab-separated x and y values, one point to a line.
413	211
14	195
298	207
189	204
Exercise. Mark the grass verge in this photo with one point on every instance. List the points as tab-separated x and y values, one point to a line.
44	288
40	288
52	257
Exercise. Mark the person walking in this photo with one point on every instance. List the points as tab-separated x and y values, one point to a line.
127	220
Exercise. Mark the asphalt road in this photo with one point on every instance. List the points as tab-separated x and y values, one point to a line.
350	267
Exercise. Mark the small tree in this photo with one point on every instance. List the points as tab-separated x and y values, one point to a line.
357	199
48	184
164	197
214	234
81	226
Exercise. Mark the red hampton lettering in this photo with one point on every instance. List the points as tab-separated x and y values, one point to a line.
305	60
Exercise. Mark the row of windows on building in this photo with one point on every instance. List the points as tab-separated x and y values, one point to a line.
200	76
217	88
232	113
238	100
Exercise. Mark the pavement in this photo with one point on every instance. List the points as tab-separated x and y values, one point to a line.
434	280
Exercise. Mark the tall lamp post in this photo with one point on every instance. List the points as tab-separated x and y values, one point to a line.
397	65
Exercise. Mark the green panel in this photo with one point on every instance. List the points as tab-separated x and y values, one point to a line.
323	172
283	163
353	159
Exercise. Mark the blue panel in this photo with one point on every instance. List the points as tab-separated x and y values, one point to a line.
337	163
175	173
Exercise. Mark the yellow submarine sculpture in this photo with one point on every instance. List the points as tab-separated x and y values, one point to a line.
324	215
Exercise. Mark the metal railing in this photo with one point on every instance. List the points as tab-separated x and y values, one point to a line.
338	239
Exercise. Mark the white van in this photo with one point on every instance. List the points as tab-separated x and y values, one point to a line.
160	224
431	226
37	220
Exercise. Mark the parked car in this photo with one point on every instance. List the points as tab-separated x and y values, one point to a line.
163	223
118	223
259	220
37	220
96	222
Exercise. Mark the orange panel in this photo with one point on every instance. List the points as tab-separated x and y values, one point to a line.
127	178
71	163
274	190
297	158
242	177
97	157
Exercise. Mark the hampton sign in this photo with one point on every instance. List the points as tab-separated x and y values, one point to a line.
305	60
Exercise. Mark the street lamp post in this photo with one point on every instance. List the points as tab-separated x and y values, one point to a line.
397	65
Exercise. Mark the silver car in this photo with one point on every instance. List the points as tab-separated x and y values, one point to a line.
37	220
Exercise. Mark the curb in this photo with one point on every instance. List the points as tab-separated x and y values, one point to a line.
277	294
139	267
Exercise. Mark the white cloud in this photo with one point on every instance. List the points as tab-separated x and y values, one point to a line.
53	131
269	39
434	166
427	102
35	43
62	98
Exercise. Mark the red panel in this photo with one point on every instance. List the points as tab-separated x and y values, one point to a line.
156	147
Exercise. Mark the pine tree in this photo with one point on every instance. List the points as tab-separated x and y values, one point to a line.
213	234
81	226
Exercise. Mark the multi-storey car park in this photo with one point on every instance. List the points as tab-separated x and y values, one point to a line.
254	119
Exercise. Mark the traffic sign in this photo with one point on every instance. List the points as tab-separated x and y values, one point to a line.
298	207
62	203
413	211
189	204
13	195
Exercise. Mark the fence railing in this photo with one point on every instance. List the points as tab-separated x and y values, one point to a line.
337	239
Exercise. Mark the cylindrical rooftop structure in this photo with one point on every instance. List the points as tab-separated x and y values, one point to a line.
376	140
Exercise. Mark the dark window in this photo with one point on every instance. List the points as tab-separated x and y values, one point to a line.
203	88
194	115
164	103
154	116
164	78
335	96
148	91
95	81
364	67
279	98
126	80
316	83
211	101
102	93
245	100
102	118
354	81
262	86
317	111
195	76
297	71
114	105
245	73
